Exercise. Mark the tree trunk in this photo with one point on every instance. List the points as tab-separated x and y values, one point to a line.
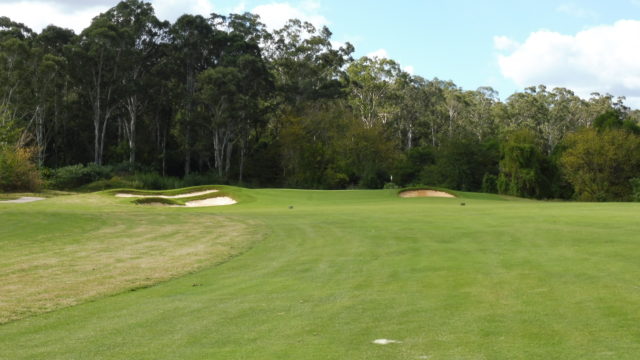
187	152
243	146
227	166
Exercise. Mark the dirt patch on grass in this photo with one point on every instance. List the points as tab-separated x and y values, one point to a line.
425	193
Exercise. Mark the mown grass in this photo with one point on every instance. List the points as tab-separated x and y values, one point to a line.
489	280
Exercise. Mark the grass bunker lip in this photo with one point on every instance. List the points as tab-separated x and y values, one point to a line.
203	198
180	196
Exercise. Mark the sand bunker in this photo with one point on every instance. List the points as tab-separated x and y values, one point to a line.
24	199
167	196
385	341
216	201
425	193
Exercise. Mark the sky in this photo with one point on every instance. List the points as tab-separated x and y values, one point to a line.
587	46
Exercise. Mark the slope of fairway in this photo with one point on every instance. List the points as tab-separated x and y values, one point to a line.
489	280
71	249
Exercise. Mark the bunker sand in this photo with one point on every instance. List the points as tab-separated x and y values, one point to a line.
425	193
214	201
22	200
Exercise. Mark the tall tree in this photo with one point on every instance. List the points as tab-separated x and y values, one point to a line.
304	63
96	61
140	35
192	52
373	84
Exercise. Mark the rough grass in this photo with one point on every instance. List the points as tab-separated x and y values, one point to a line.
56	258
505	279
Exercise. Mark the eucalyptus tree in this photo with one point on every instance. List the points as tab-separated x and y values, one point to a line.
140	36
241	51
567	113
15	60
96	63
52	89
192	47
373	89
455	104
47	76
304	63
480	119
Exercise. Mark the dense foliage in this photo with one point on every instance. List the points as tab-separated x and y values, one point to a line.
227	99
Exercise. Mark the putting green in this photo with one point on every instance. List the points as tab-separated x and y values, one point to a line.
495	279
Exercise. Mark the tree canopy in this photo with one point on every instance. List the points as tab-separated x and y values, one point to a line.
223	95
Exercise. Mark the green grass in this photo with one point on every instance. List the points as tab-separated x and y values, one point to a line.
495	279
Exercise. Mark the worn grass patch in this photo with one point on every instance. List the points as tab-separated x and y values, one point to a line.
53	259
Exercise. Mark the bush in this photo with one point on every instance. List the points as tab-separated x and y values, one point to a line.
155	181
635	185
17	171
113	183
490	183
74	176
601	165
335	180
197	179
390	185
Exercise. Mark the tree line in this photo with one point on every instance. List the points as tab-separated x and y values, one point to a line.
224	96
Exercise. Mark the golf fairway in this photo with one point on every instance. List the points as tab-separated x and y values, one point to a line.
322	274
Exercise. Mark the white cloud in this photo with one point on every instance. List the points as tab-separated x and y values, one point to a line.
77	14
504	43
276	14
574	10
409	69
39	14
239	9
74	15
173	9
380	54
600	59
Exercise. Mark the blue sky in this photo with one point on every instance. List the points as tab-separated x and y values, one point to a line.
583	45
454	40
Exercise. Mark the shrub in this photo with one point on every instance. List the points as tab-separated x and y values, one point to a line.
74	176
635	185
390	185
197	179
113	183
335	180
601	165
490	183
17	171
155	181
